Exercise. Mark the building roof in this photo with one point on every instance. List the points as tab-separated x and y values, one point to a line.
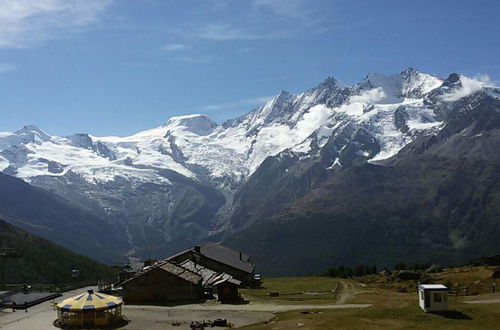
222	254
89	301
433	287
210	277
181	272
222	278
169	267
206	273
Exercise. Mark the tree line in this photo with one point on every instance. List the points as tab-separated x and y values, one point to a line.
361	270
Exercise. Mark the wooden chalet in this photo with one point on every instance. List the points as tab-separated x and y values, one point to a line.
220	259
223	284
162	283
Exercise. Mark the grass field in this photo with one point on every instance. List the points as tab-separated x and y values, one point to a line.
295	290
390	309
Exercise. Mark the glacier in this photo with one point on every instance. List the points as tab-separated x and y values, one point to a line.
197	147
176	183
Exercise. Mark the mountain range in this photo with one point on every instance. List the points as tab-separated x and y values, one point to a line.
383	170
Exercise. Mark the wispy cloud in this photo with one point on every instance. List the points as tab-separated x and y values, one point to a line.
228	32
220	5
468	87
280	78
198	59
262	20
24	23
5	67
491	67
140	64
239	103
287	8
174	47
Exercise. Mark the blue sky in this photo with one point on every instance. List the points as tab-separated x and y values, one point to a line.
114	67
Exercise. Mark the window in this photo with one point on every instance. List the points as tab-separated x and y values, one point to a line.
437	296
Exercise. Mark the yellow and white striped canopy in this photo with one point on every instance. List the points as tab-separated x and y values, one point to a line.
89	301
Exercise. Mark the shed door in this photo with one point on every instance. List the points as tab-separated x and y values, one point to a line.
427	299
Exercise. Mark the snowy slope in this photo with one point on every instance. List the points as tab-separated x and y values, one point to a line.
172	186
393	109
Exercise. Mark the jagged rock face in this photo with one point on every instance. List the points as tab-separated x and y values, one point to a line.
437	200
173	185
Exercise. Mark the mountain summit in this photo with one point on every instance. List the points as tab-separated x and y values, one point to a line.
177	184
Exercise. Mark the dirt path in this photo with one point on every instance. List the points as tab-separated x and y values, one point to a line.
347	291
485	301
252	307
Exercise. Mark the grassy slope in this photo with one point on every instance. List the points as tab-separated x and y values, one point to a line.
40	261
54	218
390	310
319	290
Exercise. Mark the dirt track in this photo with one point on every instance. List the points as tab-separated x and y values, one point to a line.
347	292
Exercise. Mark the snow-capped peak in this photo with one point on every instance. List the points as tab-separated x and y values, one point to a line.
33	133
390	108
416	84
196	123
331	83
409	84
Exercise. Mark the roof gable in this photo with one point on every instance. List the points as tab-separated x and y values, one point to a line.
169	268
226	256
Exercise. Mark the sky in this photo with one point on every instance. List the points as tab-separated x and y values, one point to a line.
115	67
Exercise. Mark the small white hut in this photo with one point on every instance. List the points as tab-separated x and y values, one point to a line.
433	297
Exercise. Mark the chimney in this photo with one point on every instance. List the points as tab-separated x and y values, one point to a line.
241	256
197	248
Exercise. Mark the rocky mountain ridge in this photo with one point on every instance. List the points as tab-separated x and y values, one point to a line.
169	187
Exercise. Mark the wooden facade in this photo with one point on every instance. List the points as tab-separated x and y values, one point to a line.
227	292
162	284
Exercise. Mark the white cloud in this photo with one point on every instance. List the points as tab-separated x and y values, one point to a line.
174	47
24	23
200	59
220	32
240	103
312	120
5	67
357	103
469	86
220	5
286	137
140	64
288	8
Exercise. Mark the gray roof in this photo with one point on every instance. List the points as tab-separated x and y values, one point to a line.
222	278
226	256
210	277
169	267
206	273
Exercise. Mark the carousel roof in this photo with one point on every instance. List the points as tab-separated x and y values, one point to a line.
89	301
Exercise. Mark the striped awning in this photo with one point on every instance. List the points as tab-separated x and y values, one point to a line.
89	301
